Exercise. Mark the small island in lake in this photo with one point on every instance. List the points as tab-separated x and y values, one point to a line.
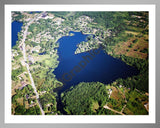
80	63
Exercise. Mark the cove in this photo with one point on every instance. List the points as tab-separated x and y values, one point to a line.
102	68
16	27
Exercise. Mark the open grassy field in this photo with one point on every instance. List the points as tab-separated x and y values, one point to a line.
136	47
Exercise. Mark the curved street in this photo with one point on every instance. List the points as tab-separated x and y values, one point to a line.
107	107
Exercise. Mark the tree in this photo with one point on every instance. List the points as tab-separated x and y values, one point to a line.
79	100
20	110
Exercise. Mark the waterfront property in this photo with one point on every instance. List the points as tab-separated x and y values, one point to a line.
73	68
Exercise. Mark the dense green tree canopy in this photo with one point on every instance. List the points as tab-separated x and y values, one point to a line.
81	99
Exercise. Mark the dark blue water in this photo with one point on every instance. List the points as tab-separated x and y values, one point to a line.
16	27
35	12
42	53
89	66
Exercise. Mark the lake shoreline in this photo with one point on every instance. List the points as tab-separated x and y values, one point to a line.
100	68
16	28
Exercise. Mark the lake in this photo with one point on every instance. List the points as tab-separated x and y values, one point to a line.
34	12
16	27
87	66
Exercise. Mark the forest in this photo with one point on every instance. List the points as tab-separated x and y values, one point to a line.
85	98
123	35
90	99
140	81
118	24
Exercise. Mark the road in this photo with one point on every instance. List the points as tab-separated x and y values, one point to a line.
27	65
107	107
